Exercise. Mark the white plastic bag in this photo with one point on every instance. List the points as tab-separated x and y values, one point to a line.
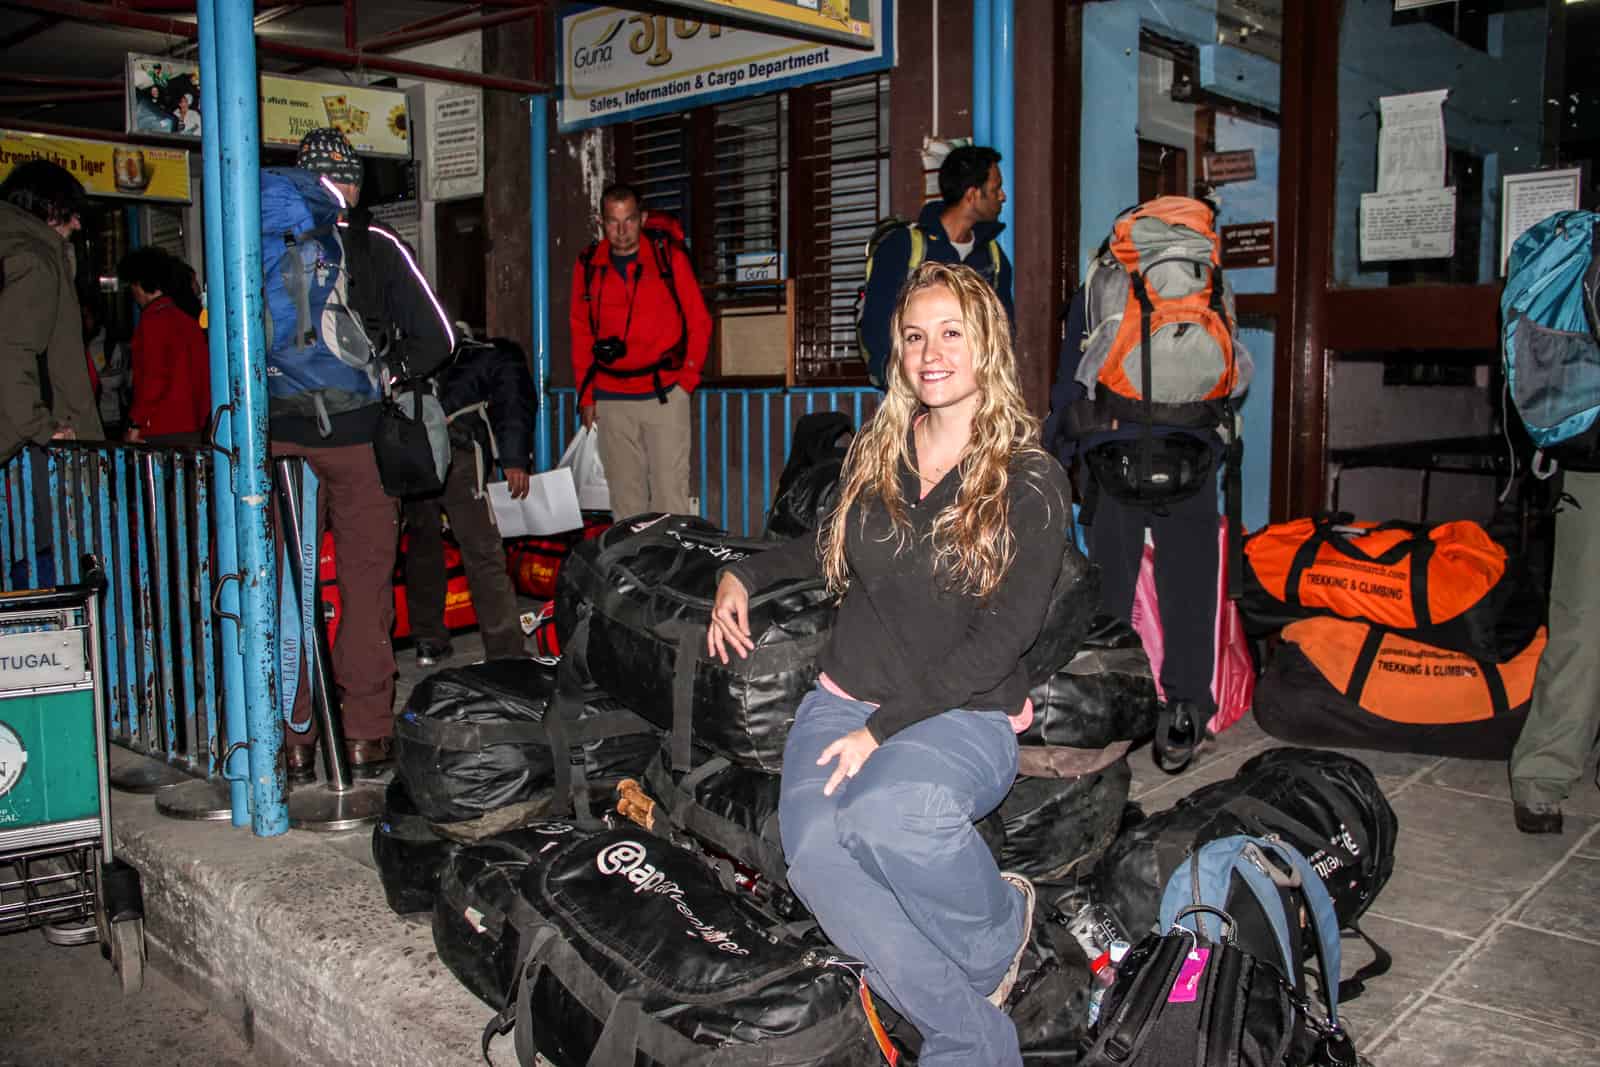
583	456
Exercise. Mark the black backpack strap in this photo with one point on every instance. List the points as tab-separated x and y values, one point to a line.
1147	437
690	639
1364	661
1233	508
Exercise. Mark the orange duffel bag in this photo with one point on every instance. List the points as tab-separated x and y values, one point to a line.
1450	585
1344	684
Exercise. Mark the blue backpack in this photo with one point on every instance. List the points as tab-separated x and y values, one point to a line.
1194	993
1552	356
320	359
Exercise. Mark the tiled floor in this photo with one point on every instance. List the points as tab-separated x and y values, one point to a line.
1495	934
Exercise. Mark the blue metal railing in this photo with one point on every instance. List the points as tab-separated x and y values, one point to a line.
740	440
145	513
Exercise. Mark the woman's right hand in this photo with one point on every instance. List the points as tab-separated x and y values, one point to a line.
730	620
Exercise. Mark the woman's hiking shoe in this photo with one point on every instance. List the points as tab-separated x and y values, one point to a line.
1025	887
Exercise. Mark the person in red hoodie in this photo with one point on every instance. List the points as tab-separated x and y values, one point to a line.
640	331
171	363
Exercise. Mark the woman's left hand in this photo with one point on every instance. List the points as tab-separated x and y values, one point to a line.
852	751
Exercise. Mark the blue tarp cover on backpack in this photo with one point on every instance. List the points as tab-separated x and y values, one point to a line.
1551	353
319	358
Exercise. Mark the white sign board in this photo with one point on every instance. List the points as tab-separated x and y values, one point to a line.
1527	199
455	141
618	65
1420	225
43	658
1411	146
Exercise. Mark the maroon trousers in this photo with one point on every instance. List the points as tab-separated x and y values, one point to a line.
365	524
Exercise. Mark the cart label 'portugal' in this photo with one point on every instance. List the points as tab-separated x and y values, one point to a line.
47	658
13	757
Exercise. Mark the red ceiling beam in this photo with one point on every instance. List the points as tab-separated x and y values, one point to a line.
45	81
28	32
425	23
333	57
58	98
390	42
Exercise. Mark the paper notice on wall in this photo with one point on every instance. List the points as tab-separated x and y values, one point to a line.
1411	147
1527	199
1419	225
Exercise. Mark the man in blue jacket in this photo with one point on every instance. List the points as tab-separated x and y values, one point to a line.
490	397
962	227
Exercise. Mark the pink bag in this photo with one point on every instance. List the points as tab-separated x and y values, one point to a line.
1233	673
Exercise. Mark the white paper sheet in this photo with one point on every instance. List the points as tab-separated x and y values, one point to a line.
1526	199
1419	225
1411	147
551	506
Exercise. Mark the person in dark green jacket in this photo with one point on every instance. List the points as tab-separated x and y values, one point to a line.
45	392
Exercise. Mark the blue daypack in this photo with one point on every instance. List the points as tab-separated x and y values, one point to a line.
1552	354
320	359
1196	994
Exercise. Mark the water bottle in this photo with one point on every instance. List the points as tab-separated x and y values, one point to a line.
1104	969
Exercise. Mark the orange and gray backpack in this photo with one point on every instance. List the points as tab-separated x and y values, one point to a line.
1161	350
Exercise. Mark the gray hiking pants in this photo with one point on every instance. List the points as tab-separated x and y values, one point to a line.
1562	721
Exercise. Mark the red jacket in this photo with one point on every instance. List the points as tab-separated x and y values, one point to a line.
654	328
171	372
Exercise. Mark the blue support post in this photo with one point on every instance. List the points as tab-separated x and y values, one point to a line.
226	561
539	273
238	105
982	79
1002	105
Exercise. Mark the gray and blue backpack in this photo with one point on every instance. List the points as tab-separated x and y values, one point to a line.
1550	340
321	360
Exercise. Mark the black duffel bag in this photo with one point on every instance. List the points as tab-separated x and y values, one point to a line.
631	953
478	887
1088	714
1326	805
809	484
731	809
408	852
1074	600
632	606
1050	827
475	740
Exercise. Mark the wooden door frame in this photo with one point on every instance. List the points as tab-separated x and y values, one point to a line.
1315	319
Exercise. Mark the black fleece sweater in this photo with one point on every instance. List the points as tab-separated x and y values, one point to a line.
906	642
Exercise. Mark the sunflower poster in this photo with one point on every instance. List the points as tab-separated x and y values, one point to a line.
164	98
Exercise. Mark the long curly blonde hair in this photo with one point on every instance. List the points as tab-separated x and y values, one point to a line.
971	538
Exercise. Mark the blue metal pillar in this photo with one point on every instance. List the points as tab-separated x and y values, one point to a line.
1002	107
225	561
982	79
539	275
238	107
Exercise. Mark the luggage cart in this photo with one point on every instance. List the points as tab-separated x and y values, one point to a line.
57	867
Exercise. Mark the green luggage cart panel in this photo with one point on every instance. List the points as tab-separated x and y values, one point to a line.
49	762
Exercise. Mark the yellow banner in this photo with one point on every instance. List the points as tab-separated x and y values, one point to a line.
375	120
134	172
846	21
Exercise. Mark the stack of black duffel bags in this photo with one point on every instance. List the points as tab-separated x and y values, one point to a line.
596	839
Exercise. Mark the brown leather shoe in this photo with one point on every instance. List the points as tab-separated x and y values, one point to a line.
369	758
300	763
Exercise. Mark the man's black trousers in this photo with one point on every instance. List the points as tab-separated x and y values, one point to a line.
1186	563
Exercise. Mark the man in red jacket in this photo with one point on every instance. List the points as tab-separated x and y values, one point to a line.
640	331
171	363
